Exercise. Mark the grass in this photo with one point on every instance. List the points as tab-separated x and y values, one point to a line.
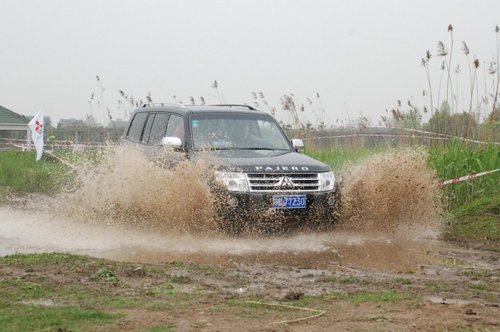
42	259
20	171
481	287
478	222
379	297
29	305
32	317
458	159
337	158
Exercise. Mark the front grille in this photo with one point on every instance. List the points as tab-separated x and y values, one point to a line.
279	182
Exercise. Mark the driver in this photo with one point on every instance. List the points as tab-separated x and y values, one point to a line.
243	136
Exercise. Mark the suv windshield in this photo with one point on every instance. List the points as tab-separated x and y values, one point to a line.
236	132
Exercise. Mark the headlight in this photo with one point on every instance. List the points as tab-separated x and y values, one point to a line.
234	181
326	181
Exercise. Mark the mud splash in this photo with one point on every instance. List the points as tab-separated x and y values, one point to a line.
390	192
171	209
127	188
393	191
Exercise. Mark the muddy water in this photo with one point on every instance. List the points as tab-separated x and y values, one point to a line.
130	208
35	232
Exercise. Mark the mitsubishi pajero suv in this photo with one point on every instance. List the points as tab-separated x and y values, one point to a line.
263	172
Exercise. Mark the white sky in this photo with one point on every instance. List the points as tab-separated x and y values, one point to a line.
360	56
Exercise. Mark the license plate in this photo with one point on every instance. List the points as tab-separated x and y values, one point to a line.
289	201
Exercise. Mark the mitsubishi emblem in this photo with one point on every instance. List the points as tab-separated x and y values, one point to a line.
284	183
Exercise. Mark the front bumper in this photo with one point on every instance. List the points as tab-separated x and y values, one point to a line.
321	208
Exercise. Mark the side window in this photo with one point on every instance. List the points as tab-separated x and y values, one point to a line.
147	128
136	128
158	128
175	126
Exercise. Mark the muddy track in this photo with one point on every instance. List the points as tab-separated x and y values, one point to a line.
297	261
328	268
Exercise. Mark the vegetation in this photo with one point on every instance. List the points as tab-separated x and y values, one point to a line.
20	171
459	158
337	158
477	222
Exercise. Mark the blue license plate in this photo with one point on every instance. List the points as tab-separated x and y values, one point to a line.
289	201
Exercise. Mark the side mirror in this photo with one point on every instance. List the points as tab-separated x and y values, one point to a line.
171	141
298	144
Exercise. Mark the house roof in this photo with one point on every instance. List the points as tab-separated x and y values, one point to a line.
7	116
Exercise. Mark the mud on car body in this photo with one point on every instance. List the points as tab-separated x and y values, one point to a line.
265	176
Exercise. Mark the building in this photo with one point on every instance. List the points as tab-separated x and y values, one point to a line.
13	125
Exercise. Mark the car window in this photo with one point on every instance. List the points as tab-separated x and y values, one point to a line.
236	131
158	128
175	126
137	126
147	128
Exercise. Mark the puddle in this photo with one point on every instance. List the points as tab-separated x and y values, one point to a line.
38	232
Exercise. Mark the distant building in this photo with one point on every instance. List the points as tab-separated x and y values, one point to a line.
13	125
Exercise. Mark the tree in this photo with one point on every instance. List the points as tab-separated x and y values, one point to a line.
458	124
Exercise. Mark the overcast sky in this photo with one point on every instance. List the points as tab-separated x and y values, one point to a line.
360	56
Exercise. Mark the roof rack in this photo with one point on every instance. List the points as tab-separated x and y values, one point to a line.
238	105
163	105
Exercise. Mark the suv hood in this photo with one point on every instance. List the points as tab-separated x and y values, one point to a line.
268	162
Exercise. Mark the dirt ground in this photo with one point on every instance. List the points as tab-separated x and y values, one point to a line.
356	281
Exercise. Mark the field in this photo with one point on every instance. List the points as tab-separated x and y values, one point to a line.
397	271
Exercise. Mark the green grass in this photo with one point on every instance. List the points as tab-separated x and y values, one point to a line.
20	171
33	317
40	305
338	157
458	159
477	222
481	287
389	296
54	258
